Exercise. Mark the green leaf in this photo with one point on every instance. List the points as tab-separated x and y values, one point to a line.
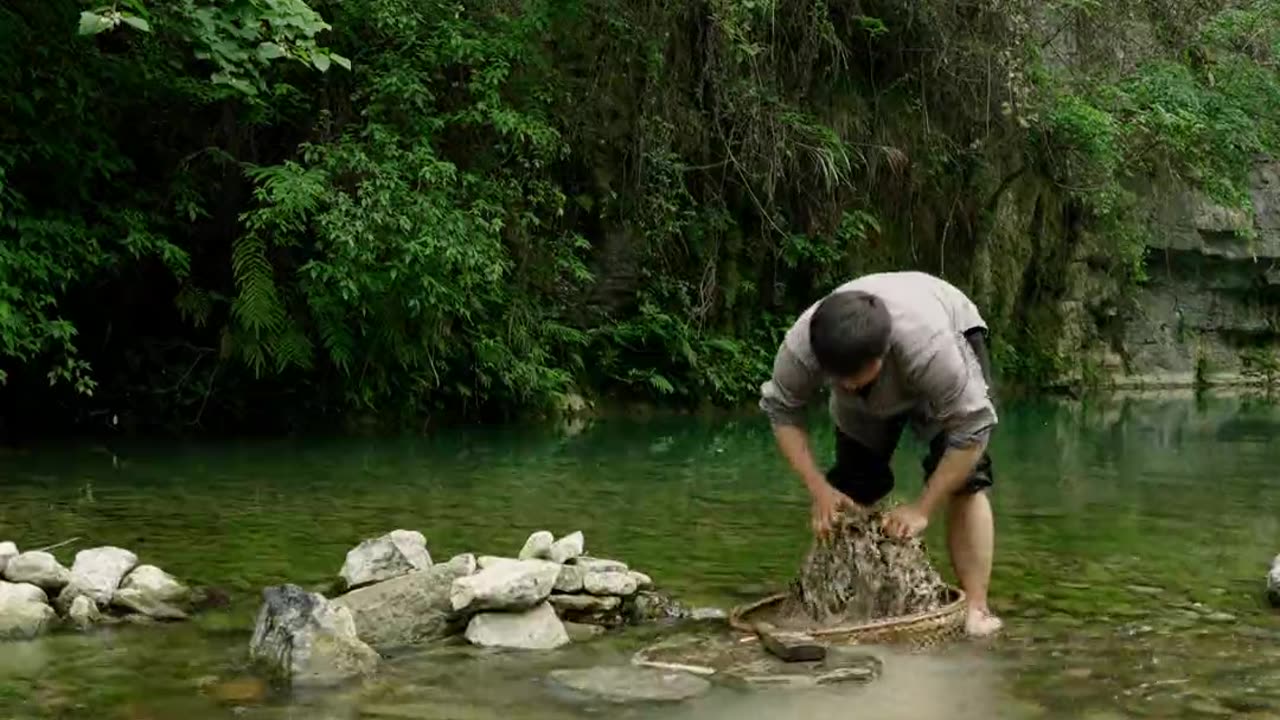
92	23
321	61
342	62
270	51
136	22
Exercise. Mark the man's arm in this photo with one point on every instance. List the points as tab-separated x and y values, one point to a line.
785	399
956	390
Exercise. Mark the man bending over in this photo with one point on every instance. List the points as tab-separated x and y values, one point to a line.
896	348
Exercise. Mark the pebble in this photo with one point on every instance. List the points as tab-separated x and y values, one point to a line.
1220	617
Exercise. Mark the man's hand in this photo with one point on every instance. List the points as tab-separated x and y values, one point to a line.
906	521
827	504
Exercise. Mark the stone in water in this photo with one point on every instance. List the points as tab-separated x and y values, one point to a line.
392	555
536	629
585	603
506	586
7	550
568	547
790	646
569	580
407	610
37	568
155	584
631	684
590	564
1273	582
609	583
538	546
97	572
305	639
84	612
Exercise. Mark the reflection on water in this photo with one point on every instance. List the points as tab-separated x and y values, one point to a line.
1132	539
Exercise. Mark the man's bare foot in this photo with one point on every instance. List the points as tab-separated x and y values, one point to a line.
981	623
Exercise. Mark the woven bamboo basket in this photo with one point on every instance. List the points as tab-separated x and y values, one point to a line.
915	631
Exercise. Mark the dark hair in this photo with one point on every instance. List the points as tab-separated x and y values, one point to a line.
847	331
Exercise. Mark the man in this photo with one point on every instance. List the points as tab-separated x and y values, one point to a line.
896	348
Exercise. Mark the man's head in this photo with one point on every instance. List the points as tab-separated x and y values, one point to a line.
849	335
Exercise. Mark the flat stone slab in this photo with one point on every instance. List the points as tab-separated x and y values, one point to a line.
790	646
631	684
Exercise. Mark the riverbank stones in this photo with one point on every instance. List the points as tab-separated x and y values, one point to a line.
630	684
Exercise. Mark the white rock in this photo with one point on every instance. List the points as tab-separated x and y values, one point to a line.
569	580
568	547
21	593
143	603
308	641
609	583
590	564
410	609
538	546
25	620
465	563
487	561
7	550
84	612
585	603
643	582
536	629
156	584
97	572
505	586
38	568
392	555
1273	582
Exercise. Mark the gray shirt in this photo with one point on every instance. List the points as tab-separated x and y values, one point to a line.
930	373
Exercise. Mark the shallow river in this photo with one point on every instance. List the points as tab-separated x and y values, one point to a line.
1133	538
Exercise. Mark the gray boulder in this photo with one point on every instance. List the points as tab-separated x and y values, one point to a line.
487	561
590	564
505	586
37	568
409	609
568	547
538	546
631	684
392	555
535	629
569	580
7	550
143	603
466	563
84	612
21	593
97	572
25	620
156	584
650	606
585	603
609	583
304	639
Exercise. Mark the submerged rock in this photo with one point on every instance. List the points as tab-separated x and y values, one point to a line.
97	572
582	632
382	558
609	583
37	568
506	586
409	609
569	580
7	550
84	612
535	629
156	584
568	547
631	684
303	638
538	546
143	603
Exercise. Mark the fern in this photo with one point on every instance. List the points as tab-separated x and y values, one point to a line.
291	348
194	304
257	307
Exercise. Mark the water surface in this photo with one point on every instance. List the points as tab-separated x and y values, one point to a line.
1133	537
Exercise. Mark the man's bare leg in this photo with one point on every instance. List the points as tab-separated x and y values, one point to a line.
971	540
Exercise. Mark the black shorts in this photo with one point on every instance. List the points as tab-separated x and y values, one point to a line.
866	475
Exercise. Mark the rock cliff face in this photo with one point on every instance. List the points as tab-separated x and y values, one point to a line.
1208	313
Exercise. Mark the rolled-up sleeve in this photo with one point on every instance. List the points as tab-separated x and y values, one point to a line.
950	380
786	395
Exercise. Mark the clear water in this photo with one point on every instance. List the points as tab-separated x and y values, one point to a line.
1133	538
